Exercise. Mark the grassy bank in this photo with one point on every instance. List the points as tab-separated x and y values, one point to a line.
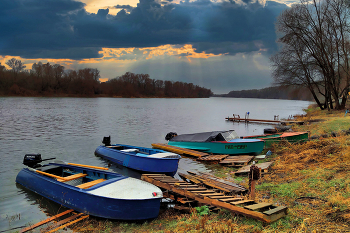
312	179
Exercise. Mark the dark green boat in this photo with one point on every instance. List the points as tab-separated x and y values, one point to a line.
291	137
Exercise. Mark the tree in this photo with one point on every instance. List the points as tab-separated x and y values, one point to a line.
315	50
16	66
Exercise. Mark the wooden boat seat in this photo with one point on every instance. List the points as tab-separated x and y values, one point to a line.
72	177
90	184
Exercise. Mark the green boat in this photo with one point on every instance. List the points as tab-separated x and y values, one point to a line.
217	142
291	137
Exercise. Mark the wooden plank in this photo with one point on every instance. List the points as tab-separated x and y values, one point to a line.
213	158
68	224
208	201
218	197
200	192
179	150
46	221
275	210
72	177
186	185
63	222
244	202
258	206
194	189
232	199
211	194
88	166
90	184
217	183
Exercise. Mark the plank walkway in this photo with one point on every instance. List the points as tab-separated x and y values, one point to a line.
210	182
65	218
237	161
213	159
236	119
174	189
179	150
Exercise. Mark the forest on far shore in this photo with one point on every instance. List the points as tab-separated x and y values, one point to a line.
276	92
54	80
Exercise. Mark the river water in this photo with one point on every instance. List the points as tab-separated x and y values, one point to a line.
70	129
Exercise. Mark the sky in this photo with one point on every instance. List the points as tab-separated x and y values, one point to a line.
223	45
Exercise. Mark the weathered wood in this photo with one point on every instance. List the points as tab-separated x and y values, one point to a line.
90	184
213	183
217	197
57	224
244	202
68	224
212	158
72	177
208	201
179	150
237	160
275	210
193	189
46	221
258	206
231	199
205	191
262	166
211	194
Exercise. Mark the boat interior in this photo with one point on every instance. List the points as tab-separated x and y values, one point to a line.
81	178
144	152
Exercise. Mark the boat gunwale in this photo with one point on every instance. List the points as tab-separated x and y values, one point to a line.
138	156
277	137
84	191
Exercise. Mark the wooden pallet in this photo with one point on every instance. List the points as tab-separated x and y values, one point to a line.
265	212
237	161
213	159
207	181
179	150
263	166
63	220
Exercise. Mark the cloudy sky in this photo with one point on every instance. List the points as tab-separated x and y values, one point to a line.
223	45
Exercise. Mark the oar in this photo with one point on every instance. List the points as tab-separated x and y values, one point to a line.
48	174
81	165
88	166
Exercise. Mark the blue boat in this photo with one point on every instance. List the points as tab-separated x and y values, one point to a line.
139	158
91	190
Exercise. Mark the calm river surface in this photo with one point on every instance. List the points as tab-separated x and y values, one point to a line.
70	129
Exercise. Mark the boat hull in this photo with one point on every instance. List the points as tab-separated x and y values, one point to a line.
167	166
271	139
82	201
253	147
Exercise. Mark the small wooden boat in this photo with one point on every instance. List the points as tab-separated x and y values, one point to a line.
139	158
91	190
291	137
216	142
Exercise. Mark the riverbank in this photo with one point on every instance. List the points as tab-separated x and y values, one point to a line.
310	178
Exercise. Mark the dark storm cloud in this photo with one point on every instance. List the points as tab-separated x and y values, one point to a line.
126	7
63	29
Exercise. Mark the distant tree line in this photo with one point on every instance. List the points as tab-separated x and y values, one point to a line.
271	93
54	80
